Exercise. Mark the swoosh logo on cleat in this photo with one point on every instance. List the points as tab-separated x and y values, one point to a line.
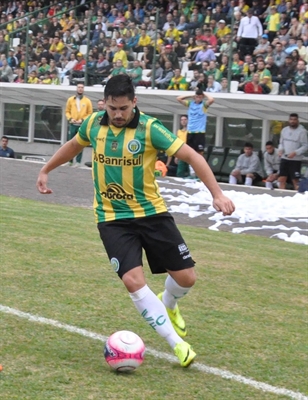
186	356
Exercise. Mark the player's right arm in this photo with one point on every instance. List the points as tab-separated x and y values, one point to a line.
183	99
66	153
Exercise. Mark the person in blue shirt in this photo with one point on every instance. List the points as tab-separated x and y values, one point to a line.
198	105
6	151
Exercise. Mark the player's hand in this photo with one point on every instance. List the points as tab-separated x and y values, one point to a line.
224	204
41	184
292	155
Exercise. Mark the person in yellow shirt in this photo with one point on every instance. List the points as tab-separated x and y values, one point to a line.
78	108
143	41
32	78
273	23
172	33
56	47
120	54
223	29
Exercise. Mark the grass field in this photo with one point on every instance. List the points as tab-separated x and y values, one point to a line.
246	313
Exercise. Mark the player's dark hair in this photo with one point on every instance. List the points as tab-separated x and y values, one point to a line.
248	144
269	143
120	86
5	137
294	115
199	92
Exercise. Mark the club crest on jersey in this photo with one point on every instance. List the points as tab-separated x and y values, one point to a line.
114	146
134	146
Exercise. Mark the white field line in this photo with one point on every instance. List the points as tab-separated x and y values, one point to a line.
158	354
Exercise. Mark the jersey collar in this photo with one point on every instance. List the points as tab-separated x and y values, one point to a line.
133	123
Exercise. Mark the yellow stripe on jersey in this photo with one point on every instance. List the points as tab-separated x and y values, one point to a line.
149	167
128	175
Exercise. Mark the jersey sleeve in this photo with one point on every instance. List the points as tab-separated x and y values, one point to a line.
82	134
163	139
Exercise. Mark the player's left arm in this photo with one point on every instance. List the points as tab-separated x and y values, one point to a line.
208	99
204	172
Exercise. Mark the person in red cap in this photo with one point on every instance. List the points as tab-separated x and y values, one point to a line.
120	54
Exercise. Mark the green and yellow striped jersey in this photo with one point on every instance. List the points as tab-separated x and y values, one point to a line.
123	164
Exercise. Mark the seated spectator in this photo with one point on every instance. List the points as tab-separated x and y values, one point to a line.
6	151
164	81
12	60
271	164
248	167
172	33
147	57
279	54
6	72
223	29
55	80
247	76
212	85
68	66
56	48
236	67
224	85
210	38
226	44
265	77
179	51
120	54
143	41
103	67
202	81
286	73
77	72
195	80
262	46
272	67
254	87
118	69
302	50
43	67
299	82
136	73
32	78
214	71
178	82
168	55
205	54
45	79
158	74
20	75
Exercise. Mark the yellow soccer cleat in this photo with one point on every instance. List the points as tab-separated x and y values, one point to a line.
176	319
184	353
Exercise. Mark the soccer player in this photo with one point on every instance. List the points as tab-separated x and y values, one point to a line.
131	214
198	105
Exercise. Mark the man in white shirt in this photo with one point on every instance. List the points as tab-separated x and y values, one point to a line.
249	31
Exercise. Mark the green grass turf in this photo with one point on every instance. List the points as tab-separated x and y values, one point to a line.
246	313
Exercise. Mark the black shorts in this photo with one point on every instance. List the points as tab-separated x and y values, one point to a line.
290	168
159	237
196	141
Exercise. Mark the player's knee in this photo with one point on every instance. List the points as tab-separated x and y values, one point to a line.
185	278
134	279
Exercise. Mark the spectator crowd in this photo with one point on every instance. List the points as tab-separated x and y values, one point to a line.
194	44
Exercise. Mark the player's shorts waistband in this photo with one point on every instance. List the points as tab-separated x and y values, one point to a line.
196	133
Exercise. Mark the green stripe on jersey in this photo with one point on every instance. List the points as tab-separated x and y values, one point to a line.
124	164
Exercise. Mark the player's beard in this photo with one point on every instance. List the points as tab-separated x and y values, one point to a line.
121	123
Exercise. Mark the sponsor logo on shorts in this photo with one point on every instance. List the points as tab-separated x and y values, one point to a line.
115	264
116	192
182	248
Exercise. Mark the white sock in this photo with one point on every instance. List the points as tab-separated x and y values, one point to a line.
248	181
232	179
155	314
269	185
173	292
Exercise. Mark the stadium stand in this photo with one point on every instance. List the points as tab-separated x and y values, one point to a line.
190	34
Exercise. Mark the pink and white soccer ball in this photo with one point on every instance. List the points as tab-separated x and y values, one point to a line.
124	351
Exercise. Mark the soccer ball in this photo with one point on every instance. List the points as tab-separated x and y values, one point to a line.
124	351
